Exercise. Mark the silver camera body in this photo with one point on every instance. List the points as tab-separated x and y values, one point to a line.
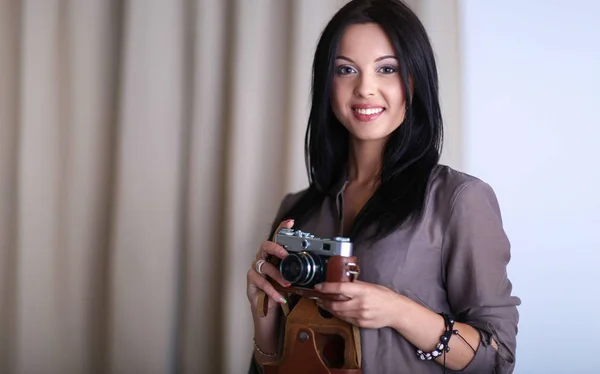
308	261
298	241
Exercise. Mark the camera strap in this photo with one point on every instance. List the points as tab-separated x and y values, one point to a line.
357	346
263	305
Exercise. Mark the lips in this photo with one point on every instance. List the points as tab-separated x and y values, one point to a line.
366	113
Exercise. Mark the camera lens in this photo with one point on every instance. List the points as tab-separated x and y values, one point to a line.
301	268
293	268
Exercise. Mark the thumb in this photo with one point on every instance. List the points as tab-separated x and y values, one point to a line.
287	224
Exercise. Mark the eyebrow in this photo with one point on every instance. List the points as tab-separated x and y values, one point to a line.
376	60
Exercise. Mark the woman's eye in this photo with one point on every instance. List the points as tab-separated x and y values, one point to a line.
387	69
345	70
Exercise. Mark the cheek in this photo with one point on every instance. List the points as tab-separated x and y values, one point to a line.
393	90
338	98
396	99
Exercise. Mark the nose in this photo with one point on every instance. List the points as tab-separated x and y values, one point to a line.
366	85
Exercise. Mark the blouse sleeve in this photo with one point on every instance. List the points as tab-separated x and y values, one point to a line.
476	252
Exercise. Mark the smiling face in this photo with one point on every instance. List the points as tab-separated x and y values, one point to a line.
367	95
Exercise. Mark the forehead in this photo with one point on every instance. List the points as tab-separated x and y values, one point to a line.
366	40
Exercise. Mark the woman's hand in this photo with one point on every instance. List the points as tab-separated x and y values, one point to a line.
370	305
256	282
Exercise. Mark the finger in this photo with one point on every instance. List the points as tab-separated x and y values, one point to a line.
270	270
270	248
345	317
349	289
353	321
263	284
350	306
349	317
287	224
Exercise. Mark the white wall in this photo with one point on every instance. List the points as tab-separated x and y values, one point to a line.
531	75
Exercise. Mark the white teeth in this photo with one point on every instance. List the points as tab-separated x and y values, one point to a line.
369	112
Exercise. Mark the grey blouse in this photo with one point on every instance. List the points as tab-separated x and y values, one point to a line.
451	259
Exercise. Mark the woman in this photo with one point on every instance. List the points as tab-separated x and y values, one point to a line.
429	239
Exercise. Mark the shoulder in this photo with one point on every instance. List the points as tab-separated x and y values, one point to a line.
448	187
291	198
446	179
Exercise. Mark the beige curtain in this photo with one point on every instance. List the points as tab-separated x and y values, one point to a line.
144	148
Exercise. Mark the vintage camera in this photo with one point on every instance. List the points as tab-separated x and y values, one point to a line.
315	341
313	260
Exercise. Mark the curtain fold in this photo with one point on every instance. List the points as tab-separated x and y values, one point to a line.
144	149
200	340
10	33
48	295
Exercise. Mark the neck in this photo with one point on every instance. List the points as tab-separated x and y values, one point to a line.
364	161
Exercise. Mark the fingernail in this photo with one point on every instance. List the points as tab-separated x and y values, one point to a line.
318	286
283	300
287	284
290	221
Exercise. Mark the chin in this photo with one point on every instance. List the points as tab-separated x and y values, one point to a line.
359	132
368	137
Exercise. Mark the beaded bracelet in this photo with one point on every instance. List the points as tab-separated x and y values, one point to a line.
442	346
261	351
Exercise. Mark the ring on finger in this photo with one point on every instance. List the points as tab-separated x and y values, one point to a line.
258	265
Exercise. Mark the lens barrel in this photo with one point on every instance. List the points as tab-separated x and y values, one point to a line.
301	268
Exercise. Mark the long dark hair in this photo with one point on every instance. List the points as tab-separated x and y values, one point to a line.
412	150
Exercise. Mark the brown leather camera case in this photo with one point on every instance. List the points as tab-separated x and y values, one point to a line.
306	329
302	349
